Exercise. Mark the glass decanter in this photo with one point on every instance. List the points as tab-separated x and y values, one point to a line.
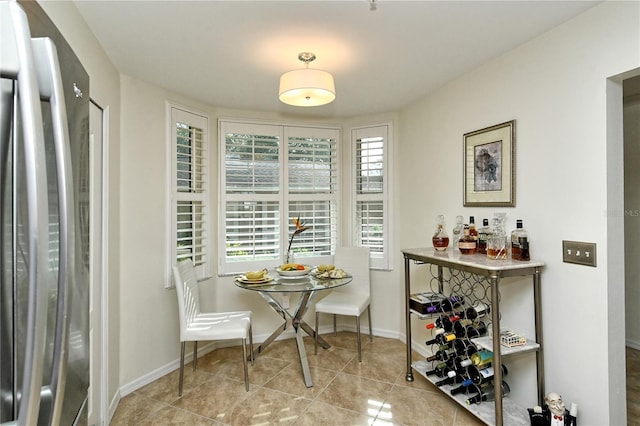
498	242
457	230
440	237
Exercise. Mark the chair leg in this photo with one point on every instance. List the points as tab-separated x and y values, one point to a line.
195	354
358	339
250	343
335	333
315	339
244	363
370	329
183	344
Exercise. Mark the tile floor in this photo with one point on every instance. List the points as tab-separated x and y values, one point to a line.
345	392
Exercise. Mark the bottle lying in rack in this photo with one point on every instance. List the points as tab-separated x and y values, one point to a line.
480	375
441	369
487	393
444	321
441	339
470	331
425	306
474	312
464	347
482	357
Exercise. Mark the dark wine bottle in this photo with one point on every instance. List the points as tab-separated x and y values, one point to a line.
444	321
480	375
452	378
440	369
466	387
460	327
477	330
451	304
487	393
441	339
474	312
441	355
464	347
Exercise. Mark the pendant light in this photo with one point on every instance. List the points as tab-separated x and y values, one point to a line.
307	87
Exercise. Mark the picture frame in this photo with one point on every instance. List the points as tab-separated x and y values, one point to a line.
489	166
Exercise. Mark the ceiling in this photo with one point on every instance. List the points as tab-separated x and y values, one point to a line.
231	53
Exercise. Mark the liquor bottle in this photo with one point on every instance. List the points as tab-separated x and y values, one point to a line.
457	230
440	238
441	339
483	236
452	378
488	394
473	231
519	242
467	244
480	375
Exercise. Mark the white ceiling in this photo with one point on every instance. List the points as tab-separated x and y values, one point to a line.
231	53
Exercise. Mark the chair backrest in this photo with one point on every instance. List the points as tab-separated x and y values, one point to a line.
187	292
354	260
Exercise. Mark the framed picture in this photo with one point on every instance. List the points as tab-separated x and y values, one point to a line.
489	166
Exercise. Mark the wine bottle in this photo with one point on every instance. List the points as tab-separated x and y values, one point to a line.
444	321
477	330
474	312
466	386
464	347
482	358
452	378
440	369
460	327
451	303
480	375
440	355
467	244
441	339
488	394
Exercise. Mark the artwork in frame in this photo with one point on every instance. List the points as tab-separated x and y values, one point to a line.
489	166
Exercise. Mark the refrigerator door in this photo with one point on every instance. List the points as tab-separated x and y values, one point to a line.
63	103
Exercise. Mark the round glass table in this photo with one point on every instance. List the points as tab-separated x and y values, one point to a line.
307	287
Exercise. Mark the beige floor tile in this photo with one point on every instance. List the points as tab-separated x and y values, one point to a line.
380	366
266	406
134	408
165	389
407	406
214	399
322	414
290	380
175	416
354	393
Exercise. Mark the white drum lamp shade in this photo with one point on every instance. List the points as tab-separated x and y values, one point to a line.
307	87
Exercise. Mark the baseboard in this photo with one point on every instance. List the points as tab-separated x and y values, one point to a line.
633	344
113	406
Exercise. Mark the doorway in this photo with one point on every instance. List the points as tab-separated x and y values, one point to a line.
97	405
631	132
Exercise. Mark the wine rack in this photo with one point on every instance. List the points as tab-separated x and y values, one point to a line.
477	279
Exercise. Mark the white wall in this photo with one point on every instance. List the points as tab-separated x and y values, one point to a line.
632	217
555	89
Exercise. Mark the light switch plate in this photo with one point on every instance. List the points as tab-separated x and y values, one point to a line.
579	252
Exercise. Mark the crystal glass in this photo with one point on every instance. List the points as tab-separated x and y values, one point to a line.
440	237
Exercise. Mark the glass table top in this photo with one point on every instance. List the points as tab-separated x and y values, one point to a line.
293	284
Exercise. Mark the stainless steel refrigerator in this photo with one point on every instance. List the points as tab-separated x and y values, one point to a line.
44	222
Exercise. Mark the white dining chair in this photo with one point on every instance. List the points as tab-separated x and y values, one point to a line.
351	299
202	326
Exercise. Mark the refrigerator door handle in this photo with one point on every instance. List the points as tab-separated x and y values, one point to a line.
51	89
16	35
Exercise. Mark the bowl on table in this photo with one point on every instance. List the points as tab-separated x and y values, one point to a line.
289	271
